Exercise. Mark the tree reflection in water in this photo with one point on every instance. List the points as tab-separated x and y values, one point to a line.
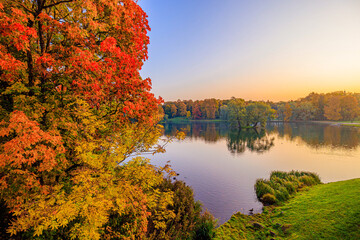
310	134
237	140
318	135
256	141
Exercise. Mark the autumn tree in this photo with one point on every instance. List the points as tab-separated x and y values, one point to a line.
349	107
196	114
173	110
210	107
189	105
318	102
280	109
303	111
73	108
287	112
332	108
181	109
188	115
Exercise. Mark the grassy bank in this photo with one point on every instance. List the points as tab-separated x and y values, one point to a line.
340	123
325	211
351	124
282	185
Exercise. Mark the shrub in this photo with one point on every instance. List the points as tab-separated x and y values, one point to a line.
268	199
278	174
307	180
282	185
205	228
188	222
282	194
262	187
291	187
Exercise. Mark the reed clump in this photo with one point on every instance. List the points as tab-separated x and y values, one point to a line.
282	185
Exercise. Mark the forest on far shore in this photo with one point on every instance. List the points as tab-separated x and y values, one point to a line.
332	106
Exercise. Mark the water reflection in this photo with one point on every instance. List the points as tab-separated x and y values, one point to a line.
256	141
222	165
312	134
318	135
209	132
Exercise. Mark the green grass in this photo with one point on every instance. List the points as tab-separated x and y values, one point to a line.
349	121
340	122
282	185
351	125
325	211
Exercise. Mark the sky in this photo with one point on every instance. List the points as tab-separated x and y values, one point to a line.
275	50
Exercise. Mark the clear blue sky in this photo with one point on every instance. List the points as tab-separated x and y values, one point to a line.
255	49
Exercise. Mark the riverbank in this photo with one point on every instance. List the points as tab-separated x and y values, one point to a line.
335	123
186	120
340	123
182	120
326	211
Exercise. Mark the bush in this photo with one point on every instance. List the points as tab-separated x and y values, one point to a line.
262	187
307	180
188	222
205	228
268	199
291	187
282	185
279	174
282	194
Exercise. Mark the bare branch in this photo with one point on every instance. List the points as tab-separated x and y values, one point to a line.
25	8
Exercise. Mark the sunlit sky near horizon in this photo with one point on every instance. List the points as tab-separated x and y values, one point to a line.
256	49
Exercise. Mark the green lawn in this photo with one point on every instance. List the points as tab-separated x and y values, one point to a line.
351	125
325	211
349	121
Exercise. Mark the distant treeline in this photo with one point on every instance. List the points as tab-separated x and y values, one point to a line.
333	106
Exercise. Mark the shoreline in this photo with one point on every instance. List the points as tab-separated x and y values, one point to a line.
328	211
326	122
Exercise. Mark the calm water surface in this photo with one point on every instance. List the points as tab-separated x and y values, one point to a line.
222	165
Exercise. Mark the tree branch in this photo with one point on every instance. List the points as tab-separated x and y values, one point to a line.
57	3
25	8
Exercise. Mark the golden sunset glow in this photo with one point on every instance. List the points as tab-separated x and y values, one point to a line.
278	50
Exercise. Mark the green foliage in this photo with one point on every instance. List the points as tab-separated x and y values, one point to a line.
268	198
187	222
236	112
303	111
262	187
224	112
206	227
351	125
282	185
325	211
258	112
252	139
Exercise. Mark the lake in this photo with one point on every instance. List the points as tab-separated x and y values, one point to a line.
222	165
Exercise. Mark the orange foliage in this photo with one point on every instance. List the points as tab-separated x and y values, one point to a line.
332	108
30	145
72	108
